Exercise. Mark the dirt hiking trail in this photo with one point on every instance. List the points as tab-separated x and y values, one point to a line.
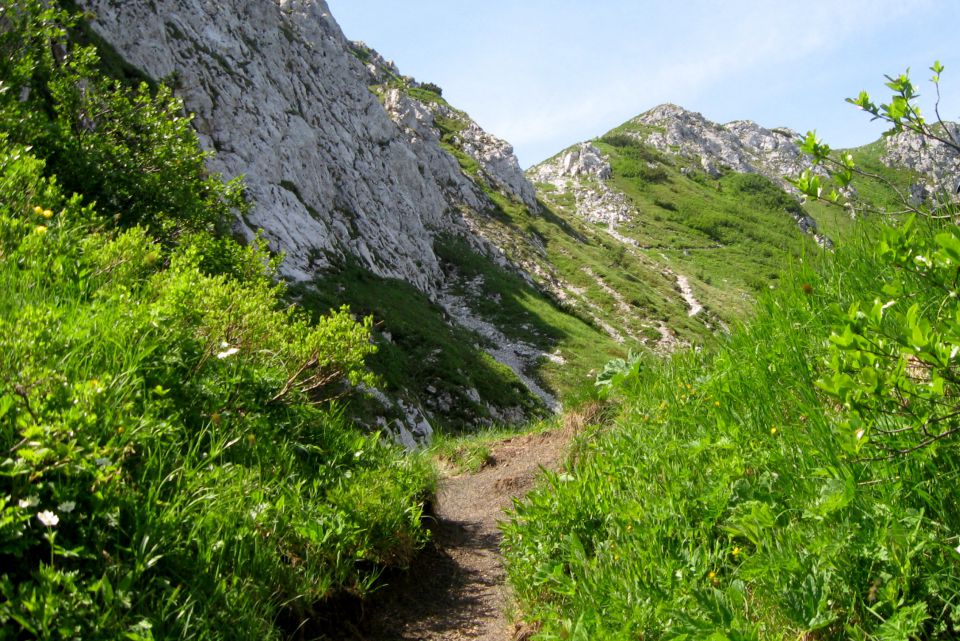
456	589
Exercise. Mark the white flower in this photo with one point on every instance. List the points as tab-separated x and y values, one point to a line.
860	434
48	518
227	352
257	511
67	507
29	502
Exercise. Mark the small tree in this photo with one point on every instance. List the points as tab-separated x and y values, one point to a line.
895	361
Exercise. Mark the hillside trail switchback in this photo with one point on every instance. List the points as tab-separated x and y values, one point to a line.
456	589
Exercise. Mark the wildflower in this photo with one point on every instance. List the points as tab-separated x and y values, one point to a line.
716	403
773	431
860	434
258	510
737	551
227	353
46	213
48	518
40	229
958	549
38	210
712	577
29	502
67	507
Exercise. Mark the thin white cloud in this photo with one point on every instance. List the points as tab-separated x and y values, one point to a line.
717	49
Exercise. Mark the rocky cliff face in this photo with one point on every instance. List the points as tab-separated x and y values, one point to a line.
742	146
283	99
346	161
937	162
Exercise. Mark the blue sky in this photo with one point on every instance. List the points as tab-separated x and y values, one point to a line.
544	74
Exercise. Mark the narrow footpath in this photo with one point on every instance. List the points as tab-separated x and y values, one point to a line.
456	589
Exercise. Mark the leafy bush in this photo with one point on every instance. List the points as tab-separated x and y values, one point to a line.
132	151
431	87
173	464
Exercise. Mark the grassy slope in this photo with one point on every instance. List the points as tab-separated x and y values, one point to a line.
722	502
166	472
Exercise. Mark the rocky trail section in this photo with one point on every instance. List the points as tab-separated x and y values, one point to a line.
519	356
456	590
688	296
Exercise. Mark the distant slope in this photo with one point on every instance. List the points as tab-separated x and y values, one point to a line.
697	210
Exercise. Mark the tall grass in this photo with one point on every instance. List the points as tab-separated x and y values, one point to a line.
173	464
157	480
722	503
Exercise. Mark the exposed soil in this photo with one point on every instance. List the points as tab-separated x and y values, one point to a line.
456	589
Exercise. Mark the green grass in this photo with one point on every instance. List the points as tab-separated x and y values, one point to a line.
143	404
424	350
174	463
722	501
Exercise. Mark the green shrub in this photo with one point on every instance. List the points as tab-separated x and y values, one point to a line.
132	151
174	465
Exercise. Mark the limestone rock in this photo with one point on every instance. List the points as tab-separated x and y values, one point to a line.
937	162
283	98
742	145
335	172
583	171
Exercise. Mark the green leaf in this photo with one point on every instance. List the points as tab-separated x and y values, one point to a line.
950	245
6	402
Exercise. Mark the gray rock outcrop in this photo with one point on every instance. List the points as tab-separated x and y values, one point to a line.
742	145
582	170
938	162
283	98
345	160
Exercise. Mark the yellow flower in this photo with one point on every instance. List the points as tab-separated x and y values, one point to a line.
712	577
716	403
737	551
38	210
46	213
40	229
773	430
